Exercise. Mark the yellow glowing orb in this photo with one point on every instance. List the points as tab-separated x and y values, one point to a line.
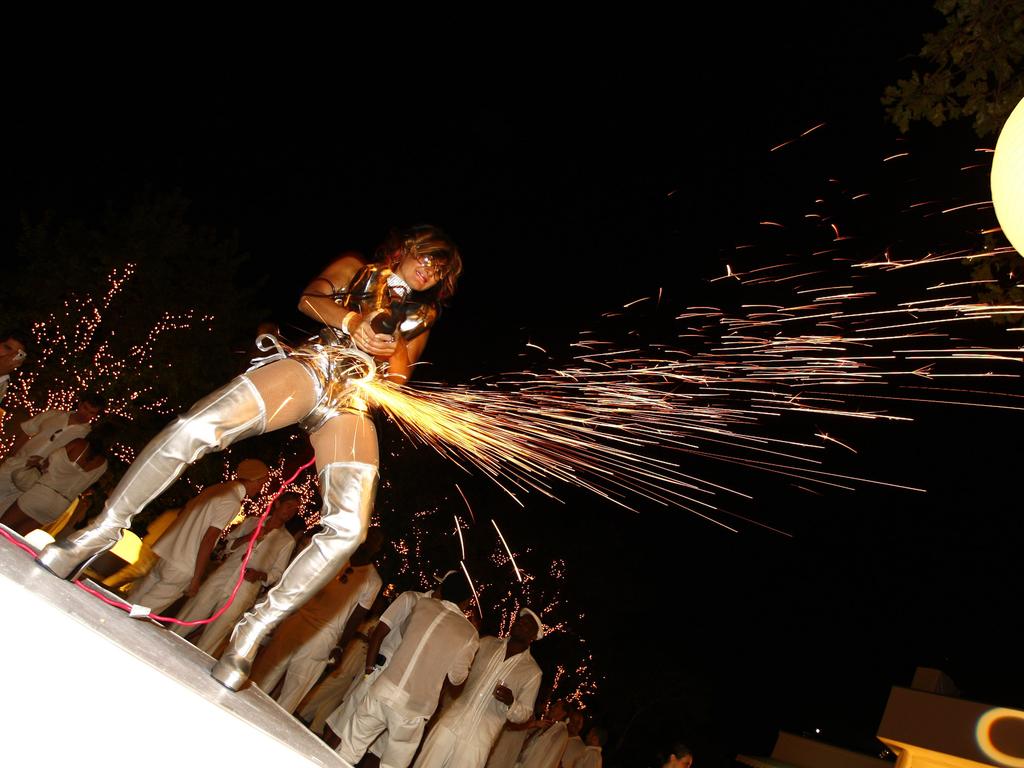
983	731
1008	178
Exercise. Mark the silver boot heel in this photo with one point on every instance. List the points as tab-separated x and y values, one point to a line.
233	667
232	670
66	559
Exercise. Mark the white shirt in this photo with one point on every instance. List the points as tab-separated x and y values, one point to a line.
546	750
437	642
590	757
48	431
573	749
241	531
4	381
62	481
399	612
505	752
270	554
68	478
476	712
214	507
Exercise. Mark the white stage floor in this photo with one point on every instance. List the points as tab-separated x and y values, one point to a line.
83	684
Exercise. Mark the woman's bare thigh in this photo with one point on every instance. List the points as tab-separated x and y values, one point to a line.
346	437
287	391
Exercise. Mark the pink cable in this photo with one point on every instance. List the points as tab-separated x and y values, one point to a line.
17	543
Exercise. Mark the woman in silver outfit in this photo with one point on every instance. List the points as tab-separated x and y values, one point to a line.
383	310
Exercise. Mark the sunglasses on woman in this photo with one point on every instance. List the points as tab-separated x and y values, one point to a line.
437	266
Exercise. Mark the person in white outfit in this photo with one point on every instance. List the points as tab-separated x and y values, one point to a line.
270	555
66	473
438	643
574	746
591	756
185	548
545	748
502	687
301	647
509	745
403	605
452	692
327	695
44	433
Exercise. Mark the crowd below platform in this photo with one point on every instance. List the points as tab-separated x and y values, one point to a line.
383	676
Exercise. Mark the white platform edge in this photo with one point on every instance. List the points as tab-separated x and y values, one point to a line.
83	684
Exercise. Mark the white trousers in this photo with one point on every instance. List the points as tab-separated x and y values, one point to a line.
332	690
340	717
161	586
506	749
446	749
211	596
369	720
300	660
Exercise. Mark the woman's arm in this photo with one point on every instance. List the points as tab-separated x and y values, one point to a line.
317	303
27	430
373	647
405	356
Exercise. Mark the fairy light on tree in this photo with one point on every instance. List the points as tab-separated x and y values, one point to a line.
77	348
145	312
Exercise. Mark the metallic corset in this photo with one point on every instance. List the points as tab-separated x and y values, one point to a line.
332	359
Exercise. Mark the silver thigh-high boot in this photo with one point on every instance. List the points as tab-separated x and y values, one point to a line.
347	489
233	412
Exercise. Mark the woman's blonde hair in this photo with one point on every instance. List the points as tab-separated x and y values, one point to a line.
425	240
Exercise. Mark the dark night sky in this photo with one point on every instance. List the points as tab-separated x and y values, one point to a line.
552	162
